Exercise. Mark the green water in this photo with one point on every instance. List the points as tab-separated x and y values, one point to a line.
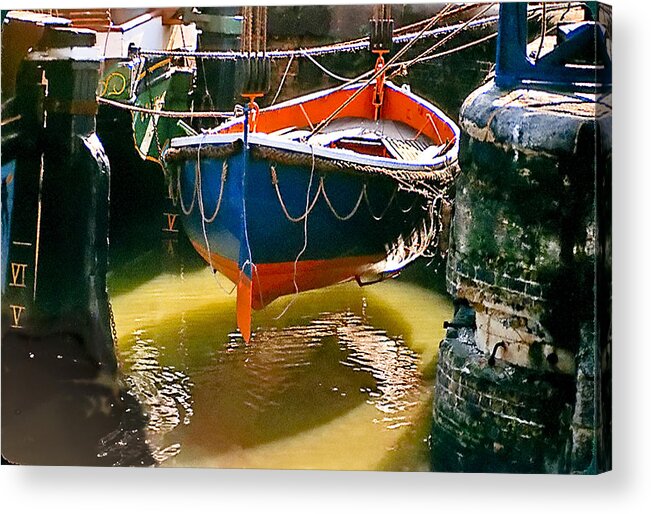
339	378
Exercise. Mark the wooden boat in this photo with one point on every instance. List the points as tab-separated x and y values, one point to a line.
280	208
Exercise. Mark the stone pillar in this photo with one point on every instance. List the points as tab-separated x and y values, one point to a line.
525	253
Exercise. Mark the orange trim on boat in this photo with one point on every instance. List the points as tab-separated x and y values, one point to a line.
396	106
244	292
272	280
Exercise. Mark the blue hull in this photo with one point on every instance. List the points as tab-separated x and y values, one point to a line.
245	210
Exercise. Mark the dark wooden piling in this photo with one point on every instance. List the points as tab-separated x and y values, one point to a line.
56	274
62	403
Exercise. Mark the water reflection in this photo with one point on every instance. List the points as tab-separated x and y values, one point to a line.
165	391
339	382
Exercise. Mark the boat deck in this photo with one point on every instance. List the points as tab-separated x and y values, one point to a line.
386	138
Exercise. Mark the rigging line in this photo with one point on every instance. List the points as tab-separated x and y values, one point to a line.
163	113
454	50
375	75
246	36
206	91
324	70
543	30
417	25
264	29
477	23
155	118
282	81
357	45
446	38
429	34
108	33
300	254
199	189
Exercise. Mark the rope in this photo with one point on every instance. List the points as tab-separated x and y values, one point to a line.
307	203
368	204
185	211
348	46
442	42
543	30
299	255
246	30
165	114
453	50
322	190
419	24
408	210
431	179
352	212
324	70
198	188
154	119
308	208
379	72
221	194
351	46
282	81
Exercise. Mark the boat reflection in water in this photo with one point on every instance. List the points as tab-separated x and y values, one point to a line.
341	380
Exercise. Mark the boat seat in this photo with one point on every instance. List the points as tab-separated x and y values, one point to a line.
282	131
331	137
405	149
431	152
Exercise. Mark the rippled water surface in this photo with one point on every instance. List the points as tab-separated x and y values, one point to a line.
341	379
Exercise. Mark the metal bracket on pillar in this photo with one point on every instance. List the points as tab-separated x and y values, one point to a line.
556	69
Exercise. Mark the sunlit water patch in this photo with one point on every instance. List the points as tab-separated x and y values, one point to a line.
341	380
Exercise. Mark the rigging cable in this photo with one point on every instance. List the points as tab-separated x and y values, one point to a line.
422	55
379	72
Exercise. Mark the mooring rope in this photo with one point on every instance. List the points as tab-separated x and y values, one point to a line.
165	114
304	248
